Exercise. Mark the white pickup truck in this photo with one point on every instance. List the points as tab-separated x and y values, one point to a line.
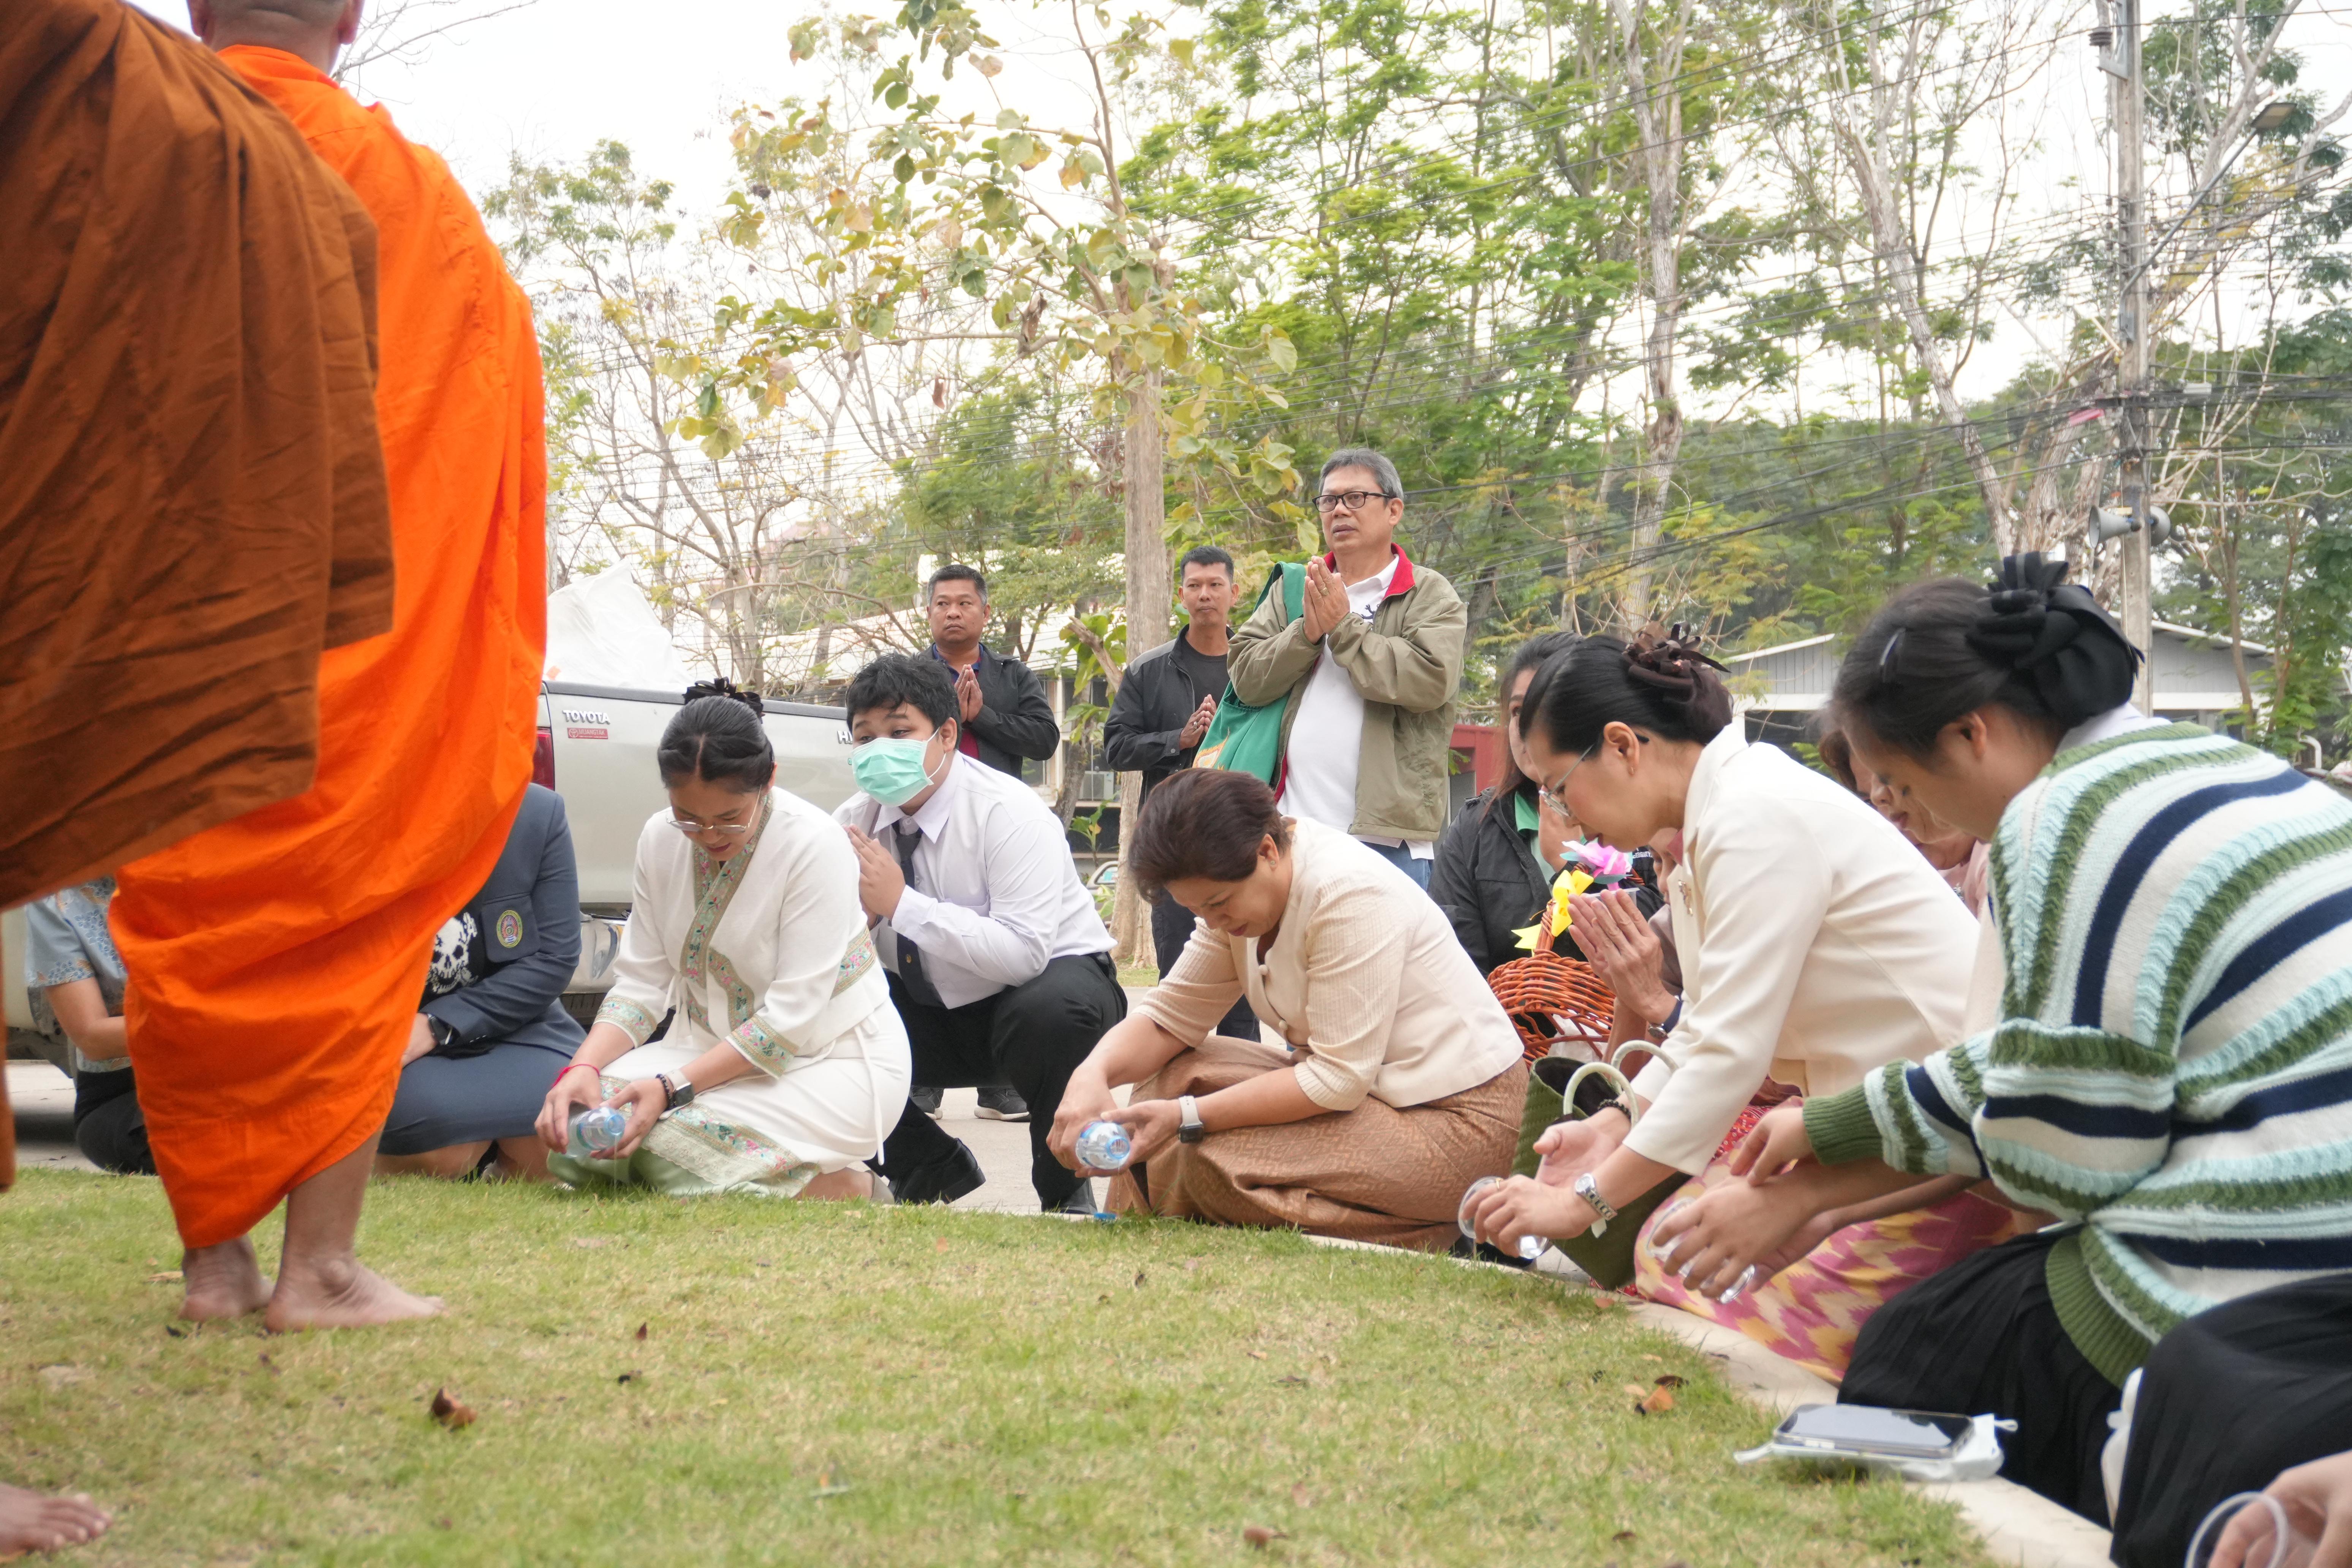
596	747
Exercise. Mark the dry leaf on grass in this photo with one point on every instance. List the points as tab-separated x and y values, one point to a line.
1298	1381
1671	1379
1262	1536
631	1376
1657	1403
1298	1494
1139	1278
591	1241
1620	1538
168	1277
829	1483
641	1332
1256	1355
449	1412
940	1245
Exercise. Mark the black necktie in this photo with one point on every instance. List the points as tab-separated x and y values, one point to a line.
911	957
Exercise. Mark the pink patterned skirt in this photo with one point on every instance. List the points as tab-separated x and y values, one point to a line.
1811	1313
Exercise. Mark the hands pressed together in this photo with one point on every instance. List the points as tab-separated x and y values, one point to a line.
1325	604
968	694
1198	724
1623	950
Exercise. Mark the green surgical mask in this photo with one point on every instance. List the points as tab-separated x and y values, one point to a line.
891	770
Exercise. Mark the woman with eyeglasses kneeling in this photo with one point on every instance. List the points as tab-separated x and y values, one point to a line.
784	1064
1391	1077
1815	945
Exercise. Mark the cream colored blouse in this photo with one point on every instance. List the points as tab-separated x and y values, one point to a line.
1365	981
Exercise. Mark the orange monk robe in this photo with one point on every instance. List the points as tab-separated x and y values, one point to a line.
275	963
191	497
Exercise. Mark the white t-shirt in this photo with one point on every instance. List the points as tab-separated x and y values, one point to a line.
1327	738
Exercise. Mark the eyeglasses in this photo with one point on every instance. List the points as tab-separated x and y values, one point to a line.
686	824
1354	500
1557	793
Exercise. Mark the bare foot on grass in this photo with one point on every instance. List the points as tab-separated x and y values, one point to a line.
34	1521
340	1295
222	1281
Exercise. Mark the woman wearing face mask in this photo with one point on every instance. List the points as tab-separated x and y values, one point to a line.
784	1064
2171	1070
1815	945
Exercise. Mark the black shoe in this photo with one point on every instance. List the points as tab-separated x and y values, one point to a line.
943	1181
927	1100
1081	1201
1000	1102
1486	1252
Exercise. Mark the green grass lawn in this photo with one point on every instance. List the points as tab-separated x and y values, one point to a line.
845	1384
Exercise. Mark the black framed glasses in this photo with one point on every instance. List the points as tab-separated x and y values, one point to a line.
1354	500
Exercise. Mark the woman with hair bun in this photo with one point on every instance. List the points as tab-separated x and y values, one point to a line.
2170	1071
1391	1077
784	1064
1816	945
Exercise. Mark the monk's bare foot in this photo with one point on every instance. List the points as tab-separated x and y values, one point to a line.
34	1521
339	1294
222	1281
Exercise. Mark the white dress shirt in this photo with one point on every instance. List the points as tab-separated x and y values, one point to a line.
1816	943
1327	737
995	895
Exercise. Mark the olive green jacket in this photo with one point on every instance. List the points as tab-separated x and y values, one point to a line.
1407	664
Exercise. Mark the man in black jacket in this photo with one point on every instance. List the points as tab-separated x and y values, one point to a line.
1003	711
1003	717
490	1031
1163	709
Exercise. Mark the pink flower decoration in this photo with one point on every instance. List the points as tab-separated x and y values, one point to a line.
1605	864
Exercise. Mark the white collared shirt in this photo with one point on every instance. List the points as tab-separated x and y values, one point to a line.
1327	738
996	895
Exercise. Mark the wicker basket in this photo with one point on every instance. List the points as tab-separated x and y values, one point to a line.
1552	997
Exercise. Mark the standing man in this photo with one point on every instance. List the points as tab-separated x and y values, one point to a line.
1371	668
276	960
998	963
1002	717
1000	709
1163	709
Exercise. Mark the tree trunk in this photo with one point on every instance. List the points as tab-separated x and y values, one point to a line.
1148	597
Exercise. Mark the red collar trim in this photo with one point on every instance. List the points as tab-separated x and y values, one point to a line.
1400	584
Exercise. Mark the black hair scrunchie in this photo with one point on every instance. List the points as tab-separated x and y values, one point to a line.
719	686
1673	665
2056	639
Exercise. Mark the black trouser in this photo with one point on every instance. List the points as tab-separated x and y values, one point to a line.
110	1128
2228	1400
1031	1036
1172	928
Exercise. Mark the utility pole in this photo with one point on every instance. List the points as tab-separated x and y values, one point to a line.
2126	98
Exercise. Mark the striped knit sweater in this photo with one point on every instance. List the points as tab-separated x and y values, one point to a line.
2173	1068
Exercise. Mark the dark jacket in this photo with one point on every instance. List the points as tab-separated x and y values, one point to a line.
526	941
1154	701
1015	720
1491	886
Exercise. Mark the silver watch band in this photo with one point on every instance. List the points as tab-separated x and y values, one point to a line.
1585	1187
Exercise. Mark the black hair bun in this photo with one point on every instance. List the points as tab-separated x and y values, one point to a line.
2055	638
1672	665
719	686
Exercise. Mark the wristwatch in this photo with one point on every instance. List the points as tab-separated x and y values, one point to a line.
1189	1129
1585	1187
444	1032
680	1092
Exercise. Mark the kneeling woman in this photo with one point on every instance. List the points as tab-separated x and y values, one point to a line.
784	1064
1400	1083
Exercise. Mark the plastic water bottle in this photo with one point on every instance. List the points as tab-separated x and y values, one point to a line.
1530	1246
1105	1146
596	1133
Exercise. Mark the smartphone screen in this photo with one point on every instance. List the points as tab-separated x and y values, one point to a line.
1877	1430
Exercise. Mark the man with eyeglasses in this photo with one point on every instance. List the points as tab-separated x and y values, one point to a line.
1369	670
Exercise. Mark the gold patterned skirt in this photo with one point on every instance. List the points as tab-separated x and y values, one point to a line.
1375	1174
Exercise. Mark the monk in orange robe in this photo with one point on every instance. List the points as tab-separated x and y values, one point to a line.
192	501
277	961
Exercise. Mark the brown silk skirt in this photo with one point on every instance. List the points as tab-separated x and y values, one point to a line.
1375	1174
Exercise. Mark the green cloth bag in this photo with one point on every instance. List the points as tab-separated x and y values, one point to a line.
1608	1258
1247	740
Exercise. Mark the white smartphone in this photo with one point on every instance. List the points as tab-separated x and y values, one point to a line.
1873	1429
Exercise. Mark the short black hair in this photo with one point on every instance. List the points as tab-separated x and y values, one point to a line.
1205	823
957	572
920	683
719	736
1205	555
